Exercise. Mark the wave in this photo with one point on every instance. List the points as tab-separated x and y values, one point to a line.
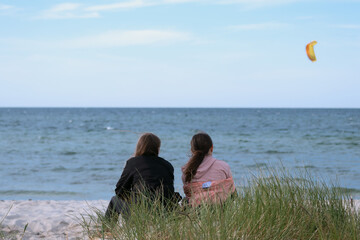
64	169
306	167
267	152
68	153
257	165
79	169
59	169
352	138
277	152
338	143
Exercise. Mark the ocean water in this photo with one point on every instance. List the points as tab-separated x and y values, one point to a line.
79	153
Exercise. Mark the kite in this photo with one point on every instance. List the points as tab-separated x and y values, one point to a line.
310	51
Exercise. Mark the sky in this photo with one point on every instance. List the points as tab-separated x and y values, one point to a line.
179	53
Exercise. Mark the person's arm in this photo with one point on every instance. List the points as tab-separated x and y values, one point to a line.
172	175
226	169
176	197
123	186
229	175
234	194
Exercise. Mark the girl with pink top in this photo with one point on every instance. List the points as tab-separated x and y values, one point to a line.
205	178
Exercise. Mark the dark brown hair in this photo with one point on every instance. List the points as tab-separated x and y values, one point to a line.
148	144
200	146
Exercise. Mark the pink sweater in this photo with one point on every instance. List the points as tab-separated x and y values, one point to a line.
210	169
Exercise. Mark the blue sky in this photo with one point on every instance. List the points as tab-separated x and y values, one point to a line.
179	53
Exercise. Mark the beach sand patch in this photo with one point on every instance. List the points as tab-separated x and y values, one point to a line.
46	219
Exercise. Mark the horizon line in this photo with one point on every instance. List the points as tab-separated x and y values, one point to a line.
131	107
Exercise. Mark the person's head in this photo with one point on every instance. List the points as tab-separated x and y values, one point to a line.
201	145
148	144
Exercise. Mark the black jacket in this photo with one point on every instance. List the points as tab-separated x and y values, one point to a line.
153	172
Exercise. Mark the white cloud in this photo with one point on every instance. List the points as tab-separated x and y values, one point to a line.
304	18
258	26
127	38
7	10
258	3
121	5
348	26
147	3
66	11
5	7
74	10
110	39
65	7
183	1
137	4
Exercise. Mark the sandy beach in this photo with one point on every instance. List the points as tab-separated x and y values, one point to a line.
46	219
51	219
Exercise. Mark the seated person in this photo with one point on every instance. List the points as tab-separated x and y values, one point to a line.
205	178
146	171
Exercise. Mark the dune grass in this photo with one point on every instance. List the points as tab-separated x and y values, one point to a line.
4	235
273	206
12	234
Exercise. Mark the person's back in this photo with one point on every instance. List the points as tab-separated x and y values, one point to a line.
211	169
205	178
146	173
149	172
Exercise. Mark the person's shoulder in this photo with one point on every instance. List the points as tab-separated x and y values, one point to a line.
224	167
221	164
165	162
134	160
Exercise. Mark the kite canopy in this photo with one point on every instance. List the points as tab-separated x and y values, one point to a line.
310	51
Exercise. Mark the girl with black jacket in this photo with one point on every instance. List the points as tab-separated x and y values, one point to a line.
146	171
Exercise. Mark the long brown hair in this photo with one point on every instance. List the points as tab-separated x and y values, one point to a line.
148	144
200	146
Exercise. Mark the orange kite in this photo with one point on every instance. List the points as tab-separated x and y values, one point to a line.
310	51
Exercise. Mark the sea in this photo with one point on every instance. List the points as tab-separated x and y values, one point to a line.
79	153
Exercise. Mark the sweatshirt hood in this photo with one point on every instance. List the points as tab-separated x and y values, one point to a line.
204	166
